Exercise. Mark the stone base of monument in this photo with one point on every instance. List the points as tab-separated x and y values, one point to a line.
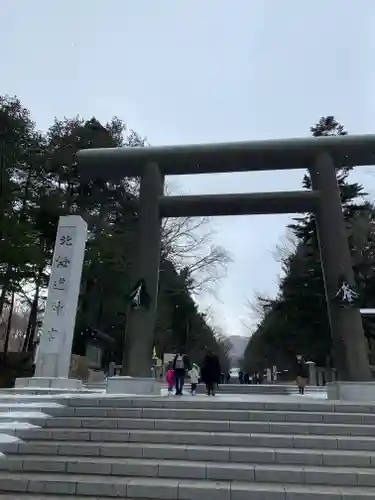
51	383
132	385
351	391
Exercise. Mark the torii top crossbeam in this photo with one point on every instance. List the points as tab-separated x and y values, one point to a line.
280	154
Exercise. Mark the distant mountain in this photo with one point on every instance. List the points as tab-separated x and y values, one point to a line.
238	346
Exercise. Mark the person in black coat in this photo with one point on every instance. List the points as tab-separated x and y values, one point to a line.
301	374
211	372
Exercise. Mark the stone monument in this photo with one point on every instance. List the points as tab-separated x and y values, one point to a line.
55	348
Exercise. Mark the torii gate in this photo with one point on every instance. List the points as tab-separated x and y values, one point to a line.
320	155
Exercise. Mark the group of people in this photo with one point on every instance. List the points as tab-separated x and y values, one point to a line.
210	374
181	368
245	378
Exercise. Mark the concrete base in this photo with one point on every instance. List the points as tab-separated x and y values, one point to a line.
130	385
351	391
71	384
95	376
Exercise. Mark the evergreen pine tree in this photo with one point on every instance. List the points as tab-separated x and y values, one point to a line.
298	316
304	227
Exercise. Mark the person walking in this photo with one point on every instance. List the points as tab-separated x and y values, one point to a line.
171	380
181	365
211	372
301	375
194	378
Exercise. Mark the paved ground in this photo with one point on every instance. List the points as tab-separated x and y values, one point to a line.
254	397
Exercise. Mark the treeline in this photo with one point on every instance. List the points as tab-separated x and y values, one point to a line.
295	321
40	182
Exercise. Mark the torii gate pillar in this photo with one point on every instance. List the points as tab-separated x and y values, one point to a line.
348	340
140	326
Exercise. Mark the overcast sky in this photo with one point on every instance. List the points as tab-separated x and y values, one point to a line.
194	71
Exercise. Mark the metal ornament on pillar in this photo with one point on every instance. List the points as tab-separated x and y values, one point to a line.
54	351
346	295
140	297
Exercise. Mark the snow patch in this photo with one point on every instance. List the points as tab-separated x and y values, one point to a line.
8	438
36	404
313	395
14	425
27	397
22	414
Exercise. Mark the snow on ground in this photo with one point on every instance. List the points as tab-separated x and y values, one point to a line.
13	425
8	438
32	398
16	405
12	421
16	415
22	414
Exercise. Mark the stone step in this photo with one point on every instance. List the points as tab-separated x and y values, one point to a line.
260	389
274	389
34	496
255	455
225	403
162	489
204	438
185	469
37	496
252	426
246	389
229	415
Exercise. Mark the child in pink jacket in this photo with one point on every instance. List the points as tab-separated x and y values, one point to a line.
171	380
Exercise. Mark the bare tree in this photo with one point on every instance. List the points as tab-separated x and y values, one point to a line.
257	309
17	329
187	243
258	305
286	246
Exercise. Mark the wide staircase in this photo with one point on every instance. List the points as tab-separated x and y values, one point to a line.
193	449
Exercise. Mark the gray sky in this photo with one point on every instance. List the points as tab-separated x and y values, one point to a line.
193	71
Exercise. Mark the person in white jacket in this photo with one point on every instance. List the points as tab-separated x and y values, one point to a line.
194	376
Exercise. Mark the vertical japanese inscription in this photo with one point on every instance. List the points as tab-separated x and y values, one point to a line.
59	288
